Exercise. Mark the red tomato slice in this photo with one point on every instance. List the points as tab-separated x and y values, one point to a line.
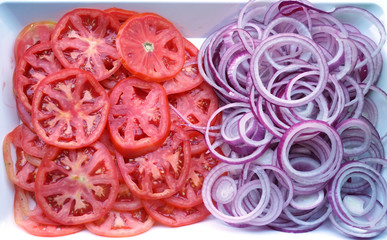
161	173
85	39
189	76
70	109
111	81
32	144
122	224
25	218
151	47
196	106
77	186
190	194
139	116
121	14
24	114
34	33
175	216
126	200
19	171
37	63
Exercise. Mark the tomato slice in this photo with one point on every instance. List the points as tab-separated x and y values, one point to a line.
151	47
77	186
85	39
111	81
139	118
19	171
121	14
190	194
122	224
189	76
174	216
126	200
70	109
196	106
37	63
161	173
24	114
26	219
32	144
34	33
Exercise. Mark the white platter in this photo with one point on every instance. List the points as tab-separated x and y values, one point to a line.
195	19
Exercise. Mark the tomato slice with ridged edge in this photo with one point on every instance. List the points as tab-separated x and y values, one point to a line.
139	118
37	63
161	173
173	216
78	185
33	33
70	109
122	224
35	222
190	194
189	76
151	47
86	39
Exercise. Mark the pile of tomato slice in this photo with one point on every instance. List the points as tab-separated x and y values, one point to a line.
110	102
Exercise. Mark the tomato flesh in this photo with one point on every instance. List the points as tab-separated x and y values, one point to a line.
151	47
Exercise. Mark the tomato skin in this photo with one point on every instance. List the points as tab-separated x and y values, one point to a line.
77	186
122	224
161	173
69	109
151	47
33	33
121	14
189	76
26	219
86	39
174	216
139	119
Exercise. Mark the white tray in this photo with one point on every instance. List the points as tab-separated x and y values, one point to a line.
195	19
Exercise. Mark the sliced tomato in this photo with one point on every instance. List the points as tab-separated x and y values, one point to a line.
33	33
77	186
161	173
25	218
196	107
189	76
24	114
126	200
37	63
86	39
19	171
121	14
151	47
70	109
32	144
190	194
139	118
111	81
122	224
174	216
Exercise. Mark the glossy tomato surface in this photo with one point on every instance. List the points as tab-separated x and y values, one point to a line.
86	39
77	186
151	47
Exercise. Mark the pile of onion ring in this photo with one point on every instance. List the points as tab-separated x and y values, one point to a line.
298	141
